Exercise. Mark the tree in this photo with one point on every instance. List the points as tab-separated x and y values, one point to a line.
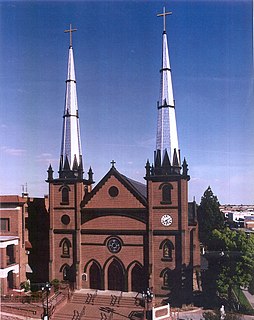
235	260
209	216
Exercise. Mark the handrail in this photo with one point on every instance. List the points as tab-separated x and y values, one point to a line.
19	308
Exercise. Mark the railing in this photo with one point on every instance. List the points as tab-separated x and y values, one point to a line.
26	310
20	299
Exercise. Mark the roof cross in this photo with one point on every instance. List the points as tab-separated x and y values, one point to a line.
70	31
164	14
113	163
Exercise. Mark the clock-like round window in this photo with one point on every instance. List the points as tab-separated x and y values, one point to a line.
113	191
114	245
166	220
65	219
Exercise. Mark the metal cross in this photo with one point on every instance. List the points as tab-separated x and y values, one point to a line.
113	163
164	14
70	31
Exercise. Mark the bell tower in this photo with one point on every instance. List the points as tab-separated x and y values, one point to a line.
67	190
167	192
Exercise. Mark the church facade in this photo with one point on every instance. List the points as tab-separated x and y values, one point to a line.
122	234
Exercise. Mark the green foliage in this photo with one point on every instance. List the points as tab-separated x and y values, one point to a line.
251	285
236	261
25	285
55	283
209	216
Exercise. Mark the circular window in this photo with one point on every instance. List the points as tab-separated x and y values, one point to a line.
65	219
114	245
113	191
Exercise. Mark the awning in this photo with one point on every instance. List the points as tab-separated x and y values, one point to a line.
28	269
28	244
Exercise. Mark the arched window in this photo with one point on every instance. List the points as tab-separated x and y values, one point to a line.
167	250
65	194
65	244
166	193
65	269
66	249
168	279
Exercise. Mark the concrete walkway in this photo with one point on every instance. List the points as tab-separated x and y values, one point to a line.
249	297
10	316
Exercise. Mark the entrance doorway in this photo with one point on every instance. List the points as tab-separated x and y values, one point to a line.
95	276
116	276
137	276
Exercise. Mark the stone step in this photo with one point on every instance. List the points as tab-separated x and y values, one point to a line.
99	306
113	300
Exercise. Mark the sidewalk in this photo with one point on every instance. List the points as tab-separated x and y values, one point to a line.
249	297
10	316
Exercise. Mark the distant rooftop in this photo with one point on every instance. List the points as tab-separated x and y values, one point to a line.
12	199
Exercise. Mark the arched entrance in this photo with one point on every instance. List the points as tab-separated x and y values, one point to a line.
116	279
10	280
95	276
137	277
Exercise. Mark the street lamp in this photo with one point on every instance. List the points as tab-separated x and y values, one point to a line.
147	297
46	288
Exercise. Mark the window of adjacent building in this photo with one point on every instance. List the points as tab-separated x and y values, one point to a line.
166	193
5	224
10	254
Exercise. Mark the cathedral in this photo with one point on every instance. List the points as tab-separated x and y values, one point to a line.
121	234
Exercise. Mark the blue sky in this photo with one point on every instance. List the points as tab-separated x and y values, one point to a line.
117	51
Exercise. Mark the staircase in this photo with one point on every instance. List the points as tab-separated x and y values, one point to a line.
100	305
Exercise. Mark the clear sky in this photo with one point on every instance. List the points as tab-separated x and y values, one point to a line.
117	51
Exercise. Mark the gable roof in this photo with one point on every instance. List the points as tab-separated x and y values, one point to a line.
138	189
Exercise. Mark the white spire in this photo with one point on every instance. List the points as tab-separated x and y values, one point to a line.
71	145
166	126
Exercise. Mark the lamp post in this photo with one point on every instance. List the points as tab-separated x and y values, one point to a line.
46	288
147	297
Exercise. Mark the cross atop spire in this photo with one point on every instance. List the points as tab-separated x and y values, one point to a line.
166	139
164	14
70	31
113	163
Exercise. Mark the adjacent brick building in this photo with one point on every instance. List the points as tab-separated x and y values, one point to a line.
14	244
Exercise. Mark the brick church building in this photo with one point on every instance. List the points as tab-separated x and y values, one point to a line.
122	234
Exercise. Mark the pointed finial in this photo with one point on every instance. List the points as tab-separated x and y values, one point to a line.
50	173
70	31
164	14
90	175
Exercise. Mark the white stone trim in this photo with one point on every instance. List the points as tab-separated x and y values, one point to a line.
6	243
4	272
